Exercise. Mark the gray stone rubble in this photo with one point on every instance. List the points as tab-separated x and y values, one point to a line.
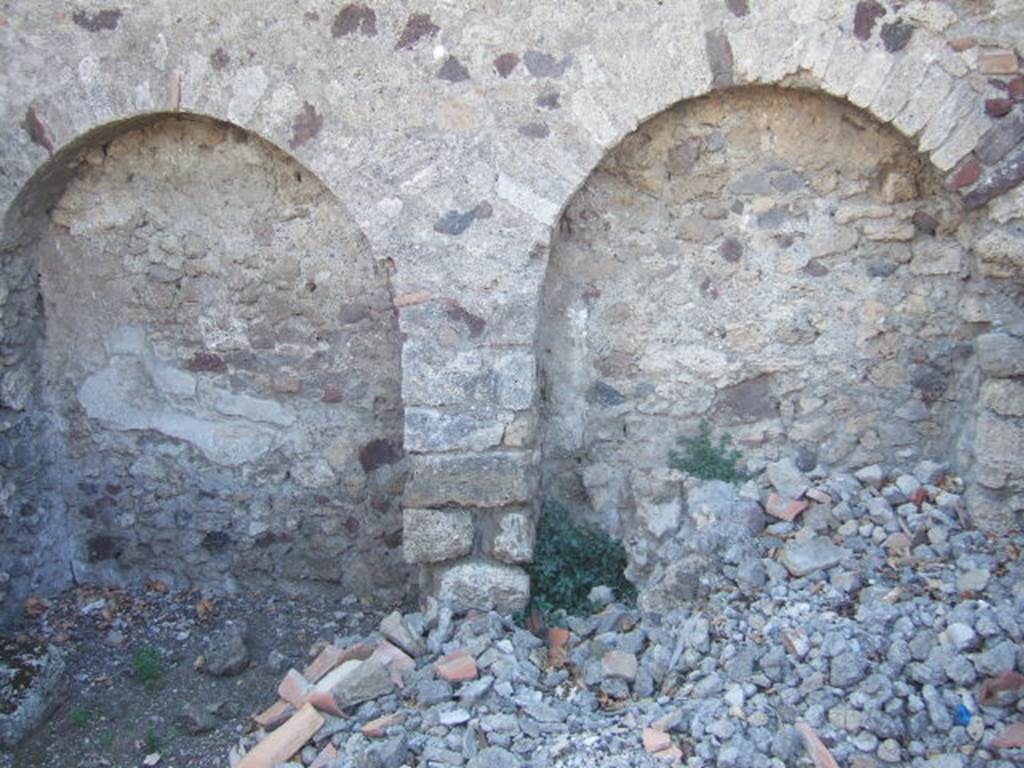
901	645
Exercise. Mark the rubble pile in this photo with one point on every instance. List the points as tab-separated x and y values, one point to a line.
867	625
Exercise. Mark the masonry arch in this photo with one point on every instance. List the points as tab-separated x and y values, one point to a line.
770	260
204	347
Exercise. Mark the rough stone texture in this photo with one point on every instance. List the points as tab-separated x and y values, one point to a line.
454	140
646	298
487	586
433	535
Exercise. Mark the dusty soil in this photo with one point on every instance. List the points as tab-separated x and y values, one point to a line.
108	716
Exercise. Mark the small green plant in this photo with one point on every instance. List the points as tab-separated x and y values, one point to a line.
569	560
107	739
80	717
152	741
148	666
702	458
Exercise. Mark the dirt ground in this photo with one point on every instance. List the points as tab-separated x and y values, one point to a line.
132	677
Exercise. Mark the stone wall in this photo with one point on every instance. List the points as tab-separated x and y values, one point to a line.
769	262
455	135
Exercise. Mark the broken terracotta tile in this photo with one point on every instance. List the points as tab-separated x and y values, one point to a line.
325	758
285	741
1007	682
1011	738
375	729
326	660
293	688
274	715
456	667
655	740
324	701
672	753
819	754
784	509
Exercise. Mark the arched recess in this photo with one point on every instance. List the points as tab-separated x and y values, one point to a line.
202	351
773	261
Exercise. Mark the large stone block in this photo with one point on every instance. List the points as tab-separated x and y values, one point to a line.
1001	253
484	586
434	535
998	448
1000	354
435	375
454	429
995	512
1003	396
486	480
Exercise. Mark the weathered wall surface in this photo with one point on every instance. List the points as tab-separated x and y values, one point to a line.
768	261
220	366
454	135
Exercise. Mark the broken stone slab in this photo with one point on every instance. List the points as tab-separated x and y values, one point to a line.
369	680
803	558
784	508
484	586
40	669
394	628
787	478
619	665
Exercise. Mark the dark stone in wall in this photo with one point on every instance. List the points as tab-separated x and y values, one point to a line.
738	8
104	547
895	36
416	28
864	18
506	63
99	21
306	126
750	400
605	394
216	541
355	18
541	64
378	453
453	70
720	58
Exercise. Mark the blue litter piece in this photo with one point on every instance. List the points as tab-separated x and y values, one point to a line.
963	715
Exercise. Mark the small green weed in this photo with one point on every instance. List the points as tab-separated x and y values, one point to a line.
80	717
148	666
702	458
569	560
152	741
107	739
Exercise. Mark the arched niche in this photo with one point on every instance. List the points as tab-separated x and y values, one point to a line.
207	365
775	262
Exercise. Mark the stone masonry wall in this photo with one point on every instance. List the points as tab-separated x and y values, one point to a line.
453	136
767	261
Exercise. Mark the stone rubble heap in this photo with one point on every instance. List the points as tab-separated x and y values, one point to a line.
869	627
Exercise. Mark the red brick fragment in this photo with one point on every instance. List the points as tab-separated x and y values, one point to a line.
783	508
998	62
998	107
1015	88
966	173
1011	738
819	754
1005	683
456	667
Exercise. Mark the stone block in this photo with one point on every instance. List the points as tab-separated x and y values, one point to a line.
486	480
1002	137
433	535
905	77
962	140
871	77
1000	253
958	105
1003	396
436	375
1000	355
924	102
514	537
998	447
454	429
484	586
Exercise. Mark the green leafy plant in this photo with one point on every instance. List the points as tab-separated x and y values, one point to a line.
80	717
148	666
703	458
569	560
152	741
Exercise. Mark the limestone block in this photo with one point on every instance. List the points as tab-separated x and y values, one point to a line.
1001	253
904	79
1000	354
1003	396
454	429
484	586
956	108
998	447
871	77
925	101
434	375
514	537
433	535
963	139
477	480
